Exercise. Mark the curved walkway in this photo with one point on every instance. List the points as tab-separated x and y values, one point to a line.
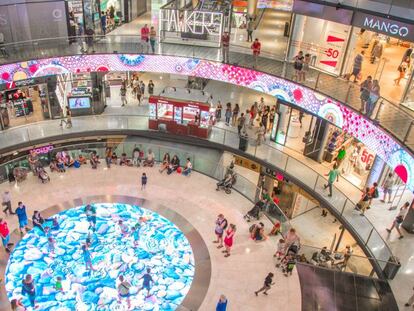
237	276
366	131
393	118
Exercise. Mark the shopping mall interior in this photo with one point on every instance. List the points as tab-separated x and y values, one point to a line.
206	155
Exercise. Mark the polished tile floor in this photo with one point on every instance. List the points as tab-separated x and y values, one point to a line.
195	199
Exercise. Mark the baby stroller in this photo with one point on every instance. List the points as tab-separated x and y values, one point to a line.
42	174
254	212
227	183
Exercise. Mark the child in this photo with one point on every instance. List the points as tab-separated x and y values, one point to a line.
281	246
290	264
58	284
87	256
124	228
135	232
51	245
147	281
144	180
55	223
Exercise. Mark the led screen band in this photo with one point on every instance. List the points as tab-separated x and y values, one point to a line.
348	120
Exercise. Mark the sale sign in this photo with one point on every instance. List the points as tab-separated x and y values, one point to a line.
334	45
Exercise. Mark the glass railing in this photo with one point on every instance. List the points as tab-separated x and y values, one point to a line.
394	118
357	264
201	163
342	207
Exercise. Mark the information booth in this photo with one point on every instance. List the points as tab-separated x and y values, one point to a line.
179	117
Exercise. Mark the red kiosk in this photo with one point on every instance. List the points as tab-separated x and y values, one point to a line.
179	116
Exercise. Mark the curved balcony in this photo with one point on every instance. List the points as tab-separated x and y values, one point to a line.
267	154
395	119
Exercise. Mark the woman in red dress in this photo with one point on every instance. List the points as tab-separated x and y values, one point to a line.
228	240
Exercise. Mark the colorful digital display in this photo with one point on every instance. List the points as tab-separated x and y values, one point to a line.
79	102
350	121
126	240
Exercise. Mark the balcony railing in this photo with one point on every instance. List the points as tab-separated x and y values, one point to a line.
340	205
394	118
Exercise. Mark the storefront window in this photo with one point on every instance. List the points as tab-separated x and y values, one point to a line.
324	40
386	59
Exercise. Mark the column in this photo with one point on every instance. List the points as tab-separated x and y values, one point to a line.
251	8
323	143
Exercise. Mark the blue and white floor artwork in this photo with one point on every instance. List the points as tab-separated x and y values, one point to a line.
143	239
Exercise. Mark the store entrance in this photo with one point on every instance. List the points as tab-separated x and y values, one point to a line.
25	104
386	59
298	131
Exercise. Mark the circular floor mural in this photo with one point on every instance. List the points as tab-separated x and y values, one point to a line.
77	261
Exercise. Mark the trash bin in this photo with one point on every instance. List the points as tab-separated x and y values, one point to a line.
392	267
243	142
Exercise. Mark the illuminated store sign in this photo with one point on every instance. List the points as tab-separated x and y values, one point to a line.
42	150
195	22
384	25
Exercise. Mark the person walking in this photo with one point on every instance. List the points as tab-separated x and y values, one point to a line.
235	114
365	89
250	28
123	93
221	225
240	122
399	219
332	176
225	41
229	239
151	87
222	303
152	38
5	235
410	301
260	134
147	280
139	94
219	107
268	282
6	201
123	290
363	203
374	95
22	217
256	46
298	66
28	289
144	38
144	180
402	69
227	114
357	66
387	188
87	257
103	22
108	156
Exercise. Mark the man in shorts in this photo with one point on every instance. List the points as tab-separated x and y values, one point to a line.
147	280
22	217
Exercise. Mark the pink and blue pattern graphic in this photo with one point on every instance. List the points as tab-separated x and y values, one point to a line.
350	121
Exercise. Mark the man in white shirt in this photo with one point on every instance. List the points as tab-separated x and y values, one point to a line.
7	203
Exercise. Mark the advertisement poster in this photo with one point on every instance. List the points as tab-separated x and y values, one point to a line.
282	5
79	102
334	44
